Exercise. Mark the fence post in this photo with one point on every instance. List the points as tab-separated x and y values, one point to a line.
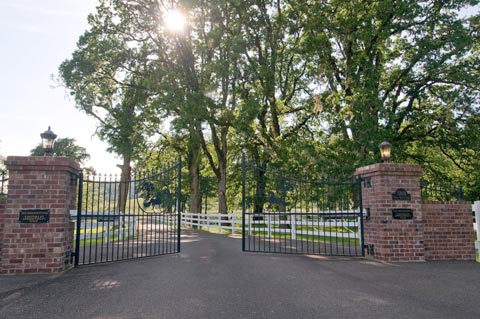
359	233
244	206
179	204
293	225
78	219
269	226
476	209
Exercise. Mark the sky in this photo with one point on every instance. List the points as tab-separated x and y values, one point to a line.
35	38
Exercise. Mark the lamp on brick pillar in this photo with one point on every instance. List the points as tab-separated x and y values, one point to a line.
48	140
385	151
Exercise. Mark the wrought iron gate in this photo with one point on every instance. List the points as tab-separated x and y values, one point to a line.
300	215
118	220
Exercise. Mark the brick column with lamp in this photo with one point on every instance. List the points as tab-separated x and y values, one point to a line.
399	226
393	229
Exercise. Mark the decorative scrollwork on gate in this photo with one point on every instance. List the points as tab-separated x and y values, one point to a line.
154	196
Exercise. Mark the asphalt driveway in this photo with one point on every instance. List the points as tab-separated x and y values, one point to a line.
213	278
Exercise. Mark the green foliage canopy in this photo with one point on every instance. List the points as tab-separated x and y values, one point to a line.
312	86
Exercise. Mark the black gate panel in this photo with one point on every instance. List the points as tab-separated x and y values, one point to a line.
119	220
300	214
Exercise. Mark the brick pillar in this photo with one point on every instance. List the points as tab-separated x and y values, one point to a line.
387	238
38	184
2	211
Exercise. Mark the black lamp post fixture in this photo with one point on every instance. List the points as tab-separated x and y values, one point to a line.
48	139
385	151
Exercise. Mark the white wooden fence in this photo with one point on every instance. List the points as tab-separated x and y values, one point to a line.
214	222
104	226
301	224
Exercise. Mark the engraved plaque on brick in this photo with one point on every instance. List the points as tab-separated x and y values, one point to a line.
34	216
401	194
402	213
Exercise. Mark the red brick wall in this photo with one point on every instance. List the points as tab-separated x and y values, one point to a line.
448	231
2	210
38	183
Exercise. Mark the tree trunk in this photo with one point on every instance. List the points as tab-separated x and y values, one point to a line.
222	172
124	184
283	216
195	202
260	191
222	189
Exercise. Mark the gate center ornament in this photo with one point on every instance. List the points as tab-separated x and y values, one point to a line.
156	197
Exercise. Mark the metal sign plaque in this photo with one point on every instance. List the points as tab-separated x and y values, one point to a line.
34	216
401	194
402	213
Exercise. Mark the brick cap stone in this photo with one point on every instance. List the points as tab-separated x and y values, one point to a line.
390	169
42	163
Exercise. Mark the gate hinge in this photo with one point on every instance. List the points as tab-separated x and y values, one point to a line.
72	256
370	249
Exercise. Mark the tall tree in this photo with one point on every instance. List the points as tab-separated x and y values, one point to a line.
392	69
219	47
276	82
199	85
108	75
182	96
